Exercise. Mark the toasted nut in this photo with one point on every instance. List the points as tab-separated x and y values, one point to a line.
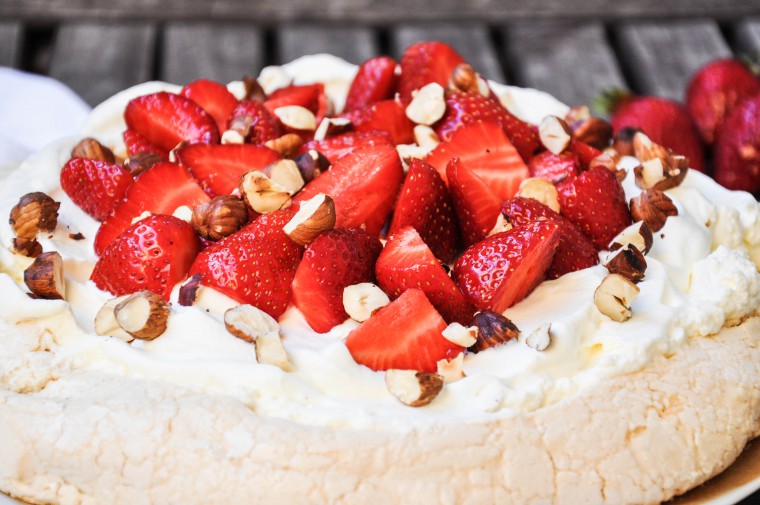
332	126
44	277
188	292
269	351
493	329
554	133
413	388
140	162
253	90
105	321
614	297
465	78
362	300
286	145
173	153
273	78
311	164
144	315
663	171
409	152
577	116
184	213
623	142
502	225
142	216
628	262
219	218
649	173
296	117
639	235
248	323
426	137
286	174
427	105
593	131
461	335
540	338
237	135
452	369
644	149
606	161
34	213
262	194
541	190
653	207
28	247
314	217
92	149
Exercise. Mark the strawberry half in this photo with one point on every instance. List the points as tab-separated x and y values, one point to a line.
375	80
310	96
585	153
476	206
136	143
94	186
261	125
504	268
406	262
574	252
255	265
166	119
387	115
483	148
154	254
554	167
595	202
363	185
334	148
426	62
159	190
335	259
218	167
214	98
405	335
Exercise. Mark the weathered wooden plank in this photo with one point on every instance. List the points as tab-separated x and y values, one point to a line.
573	62
224	52
96	60
10	44
747	35
472	41
352	43
661	57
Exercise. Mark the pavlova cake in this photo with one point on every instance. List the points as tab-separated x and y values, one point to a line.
393	284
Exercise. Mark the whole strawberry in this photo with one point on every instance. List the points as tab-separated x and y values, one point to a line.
737	148
95	186
715	90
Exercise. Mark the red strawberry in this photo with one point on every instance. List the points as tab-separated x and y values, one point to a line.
554	167
406	262
310	96
214	98
737	148
154	254
166	119
375	80
261	124
715	90
504	268
218	167
485	150
405	335
159	190
136	144
255	265
666	122
585	153
94	186
595	202
387	115
465	108
363	184
425	204
574	252
476	206
334	148
426	62
335	259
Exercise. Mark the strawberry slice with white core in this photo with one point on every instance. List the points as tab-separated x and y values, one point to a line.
214	98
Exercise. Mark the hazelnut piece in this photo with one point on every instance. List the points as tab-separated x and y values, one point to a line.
144	315
311	164
188	292
451	369
653	207
92	149
427	105
540	338
628	262
493	329
614	297
314	217
28	247
34	213
256	326
639	235
44	277
541	190
296	117
286	174
105	321
261	193
361	301
253	90
332	126
413	388
219	218
461	335
555	134
140	162
286	145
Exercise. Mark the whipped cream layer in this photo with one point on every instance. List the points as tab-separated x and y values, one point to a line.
702	275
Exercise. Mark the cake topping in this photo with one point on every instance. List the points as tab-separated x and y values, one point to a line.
262	194
413	388
628	262
28	247
34	213
44	277
493	329
461	335
427	105
143	314
315	216
653	207
555	134
257	327
222	216
614	297
362	300
638	234
106	323
540	337
296	117
92	149
286	145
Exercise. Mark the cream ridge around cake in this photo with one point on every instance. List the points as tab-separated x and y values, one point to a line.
607	389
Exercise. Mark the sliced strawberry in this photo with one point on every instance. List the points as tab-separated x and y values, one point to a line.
554	167
426	62
504	268
166	119
387	115
585	153
363	184
334	148
94	186
335	259
257	120
218	167
375	80
575	251
465	108
255	265
136	144
310	96
406	262
595	202
154	254
214	98
158	190
426	205
485	150
476	206
405	335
